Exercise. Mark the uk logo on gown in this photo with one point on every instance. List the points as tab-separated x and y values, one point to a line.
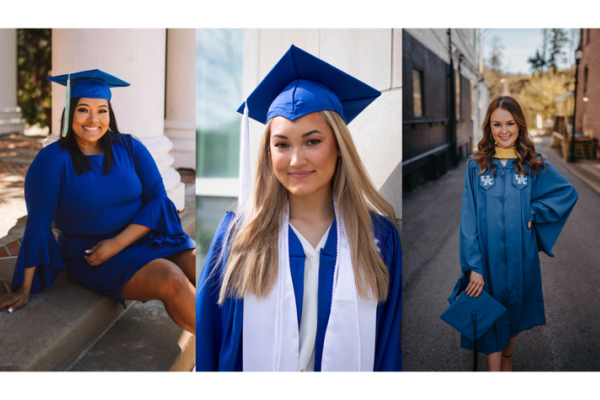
487	181
520	181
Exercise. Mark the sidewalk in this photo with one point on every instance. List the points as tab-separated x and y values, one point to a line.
588	171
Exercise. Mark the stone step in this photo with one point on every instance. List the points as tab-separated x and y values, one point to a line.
7	267
68	326
144	339
55	328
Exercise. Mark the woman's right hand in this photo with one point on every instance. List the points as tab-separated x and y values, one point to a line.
475	286
14	300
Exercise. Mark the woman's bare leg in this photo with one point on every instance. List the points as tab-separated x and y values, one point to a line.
496	362
493	361
186	260
508	351
163	280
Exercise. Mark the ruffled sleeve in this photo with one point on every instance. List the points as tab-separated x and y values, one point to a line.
552	200
38	246
158	212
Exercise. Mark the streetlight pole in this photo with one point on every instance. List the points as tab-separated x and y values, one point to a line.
578	55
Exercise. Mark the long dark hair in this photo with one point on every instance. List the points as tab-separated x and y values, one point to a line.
524	147
80	161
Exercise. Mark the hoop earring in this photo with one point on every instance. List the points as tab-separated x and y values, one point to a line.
492	138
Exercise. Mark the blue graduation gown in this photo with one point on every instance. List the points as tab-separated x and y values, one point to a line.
219	328
495	242
91	207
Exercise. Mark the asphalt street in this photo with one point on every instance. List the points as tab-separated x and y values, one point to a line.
570	340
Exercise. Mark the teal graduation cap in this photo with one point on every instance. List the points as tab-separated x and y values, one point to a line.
301	83
93	84
473	316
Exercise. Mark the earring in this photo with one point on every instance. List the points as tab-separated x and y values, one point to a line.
492	138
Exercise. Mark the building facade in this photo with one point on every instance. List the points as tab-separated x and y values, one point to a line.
444	101
587	118
10	113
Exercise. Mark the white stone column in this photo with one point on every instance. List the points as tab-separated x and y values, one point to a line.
180	122
137	56
10	113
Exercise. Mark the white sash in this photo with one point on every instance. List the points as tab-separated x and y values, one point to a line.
271	340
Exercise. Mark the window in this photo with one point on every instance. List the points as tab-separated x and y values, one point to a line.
589	32
219	61
585	81
457	84
417	93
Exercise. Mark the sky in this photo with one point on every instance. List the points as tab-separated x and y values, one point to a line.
519	45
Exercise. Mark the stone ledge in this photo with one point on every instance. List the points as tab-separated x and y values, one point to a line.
144	339
52	331
7	267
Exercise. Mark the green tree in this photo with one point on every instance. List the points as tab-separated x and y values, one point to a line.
495	59
537	62
538	95
492	69
34	62
557	41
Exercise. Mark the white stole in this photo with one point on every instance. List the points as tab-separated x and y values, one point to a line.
271	337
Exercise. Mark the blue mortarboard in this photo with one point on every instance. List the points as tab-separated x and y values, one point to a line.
93	84
473	316
301	83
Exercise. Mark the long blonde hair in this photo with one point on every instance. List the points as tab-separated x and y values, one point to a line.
252	259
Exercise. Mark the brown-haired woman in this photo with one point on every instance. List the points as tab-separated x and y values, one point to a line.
514	204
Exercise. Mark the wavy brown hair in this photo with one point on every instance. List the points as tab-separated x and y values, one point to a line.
252	258
524	147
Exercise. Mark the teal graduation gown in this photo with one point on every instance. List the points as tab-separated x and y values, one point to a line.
495	241
219	328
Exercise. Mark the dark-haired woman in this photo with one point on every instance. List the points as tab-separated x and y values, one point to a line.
120	235
514	204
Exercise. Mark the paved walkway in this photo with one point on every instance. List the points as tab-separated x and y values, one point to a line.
588	171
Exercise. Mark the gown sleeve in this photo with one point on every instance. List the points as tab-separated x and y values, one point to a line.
470	252
552	200
213	353
158	212
388	351
38	245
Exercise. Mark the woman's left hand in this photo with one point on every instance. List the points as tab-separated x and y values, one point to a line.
102	252
529	224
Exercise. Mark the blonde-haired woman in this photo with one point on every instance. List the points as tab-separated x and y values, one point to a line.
306	276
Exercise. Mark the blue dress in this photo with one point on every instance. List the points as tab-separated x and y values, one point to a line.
495	242
219	328
91	207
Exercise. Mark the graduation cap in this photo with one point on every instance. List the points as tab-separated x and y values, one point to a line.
93	84
473	316
300	84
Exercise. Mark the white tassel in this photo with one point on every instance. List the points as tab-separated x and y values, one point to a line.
245	177
67	108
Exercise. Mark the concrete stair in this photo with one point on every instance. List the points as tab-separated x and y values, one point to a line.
68	327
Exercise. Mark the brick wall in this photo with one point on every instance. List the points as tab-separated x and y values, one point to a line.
591	60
